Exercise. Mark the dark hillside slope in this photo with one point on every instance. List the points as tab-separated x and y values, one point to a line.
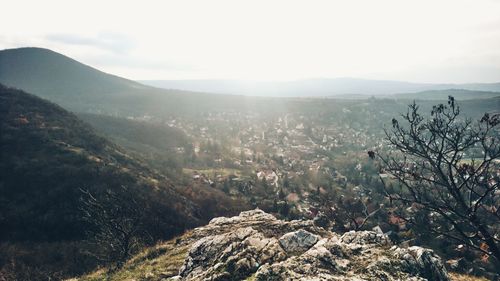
48	155
131	134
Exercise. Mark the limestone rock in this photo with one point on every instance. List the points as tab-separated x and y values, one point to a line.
424	261
365	238
298	241
257	246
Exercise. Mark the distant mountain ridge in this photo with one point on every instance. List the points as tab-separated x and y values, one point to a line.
81	88
459	94
313	87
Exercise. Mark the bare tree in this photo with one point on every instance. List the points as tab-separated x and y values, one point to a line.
449	167
354	213
117	220
348	211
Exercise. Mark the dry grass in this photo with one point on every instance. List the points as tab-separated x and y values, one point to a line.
464	277
210	172
155	263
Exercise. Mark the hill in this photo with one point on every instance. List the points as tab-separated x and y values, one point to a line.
46	72
50	162
257	246
459	94
49	154
67	82
81	88
132	134
160	146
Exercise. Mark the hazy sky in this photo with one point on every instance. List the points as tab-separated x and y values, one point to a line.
422	40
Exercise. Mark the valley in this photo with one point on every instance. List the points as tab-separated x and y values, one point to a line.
94	148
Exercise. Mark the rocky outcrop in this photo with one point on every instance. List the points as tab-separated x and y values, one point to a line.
257	246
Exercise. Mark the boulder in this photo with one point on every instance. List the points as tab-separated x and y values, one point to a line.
298	241
422	261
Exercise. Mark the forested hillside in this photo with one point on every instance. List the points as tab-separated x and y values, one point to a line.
52	165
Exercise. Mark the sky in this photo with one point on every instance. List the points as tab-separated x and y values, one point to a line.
435	41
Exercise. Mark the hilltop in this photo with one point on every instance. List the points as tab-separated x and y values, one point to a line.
46	72
257	246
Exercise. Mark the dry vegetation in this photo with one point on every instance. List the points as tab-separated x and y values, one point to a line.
464	277
160	261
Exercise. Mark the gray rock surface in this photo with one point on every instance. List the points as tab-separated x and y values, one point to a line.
257	246
298	241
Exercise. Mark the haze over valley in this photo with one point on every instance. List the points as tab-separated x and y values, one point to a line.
318	87
325	141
